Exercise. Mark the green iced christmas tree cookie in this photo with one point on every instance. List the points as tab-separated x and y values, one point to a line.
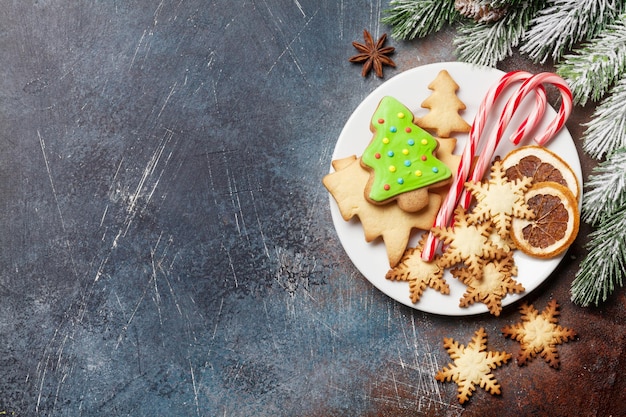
401	158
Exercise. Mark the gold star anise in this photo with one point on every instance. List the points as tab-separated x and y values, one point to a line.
373	55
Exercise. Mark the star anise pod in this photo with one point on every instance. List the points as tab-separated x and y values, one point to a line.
373	55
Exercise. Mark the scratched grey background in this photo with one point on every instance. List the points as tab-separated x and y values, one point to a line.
166	243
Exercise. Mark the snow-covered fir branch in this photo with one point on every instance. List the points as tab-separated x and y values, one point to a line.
559	26
594	68
605	189
604	267
412	19
604	206
606	131
489	43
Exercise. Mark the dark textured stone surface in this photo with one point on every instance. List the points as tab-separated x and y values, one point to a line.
167	247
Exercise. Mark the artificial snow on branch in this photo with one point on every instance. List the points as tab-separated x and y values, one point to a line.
606	189
489	43
604	267
606	131
412	19
595	67
559	26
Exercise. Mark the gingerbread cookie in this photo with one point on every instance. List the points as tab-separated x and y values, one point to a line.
388	221
419	273
473	365
492	286
401	159
499	199
444	107
467	242
539	334
445	153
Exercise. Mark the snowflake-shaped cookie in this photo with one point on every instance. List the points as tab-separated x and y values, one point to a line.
539	334
419	273
500	199
506	244
472	365
467	242
492	286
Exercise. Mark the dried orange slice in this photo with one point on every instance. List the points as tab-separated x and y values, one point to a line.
555	225
541	165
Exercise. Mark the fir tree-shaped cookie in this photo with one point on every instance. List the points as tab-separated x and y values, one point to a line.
401	159
444	107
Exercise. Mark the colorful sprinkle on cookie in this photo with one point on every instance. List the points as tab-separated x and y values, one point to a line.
401	156
388	221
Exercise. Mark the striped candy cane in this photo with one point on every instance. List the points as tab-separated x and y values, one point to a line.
564	111
527	125
467	157
531	83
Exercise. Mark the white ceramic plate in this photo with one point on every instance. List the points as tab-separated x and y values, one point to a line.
411	88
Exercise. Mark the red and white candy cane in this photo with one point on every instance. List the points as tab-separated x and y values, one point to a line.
563	113
531	83
527	125
467	157
492	96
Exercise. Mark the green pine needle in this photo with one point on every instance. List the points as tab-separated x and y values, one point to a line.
606	131
601	271
559	26
412	19
595	67
489	43
607	189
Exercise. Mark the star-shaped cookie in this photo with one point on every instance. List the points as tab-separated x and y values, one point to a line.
492	286
539	334
419	273
472	366
499	199
467	242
